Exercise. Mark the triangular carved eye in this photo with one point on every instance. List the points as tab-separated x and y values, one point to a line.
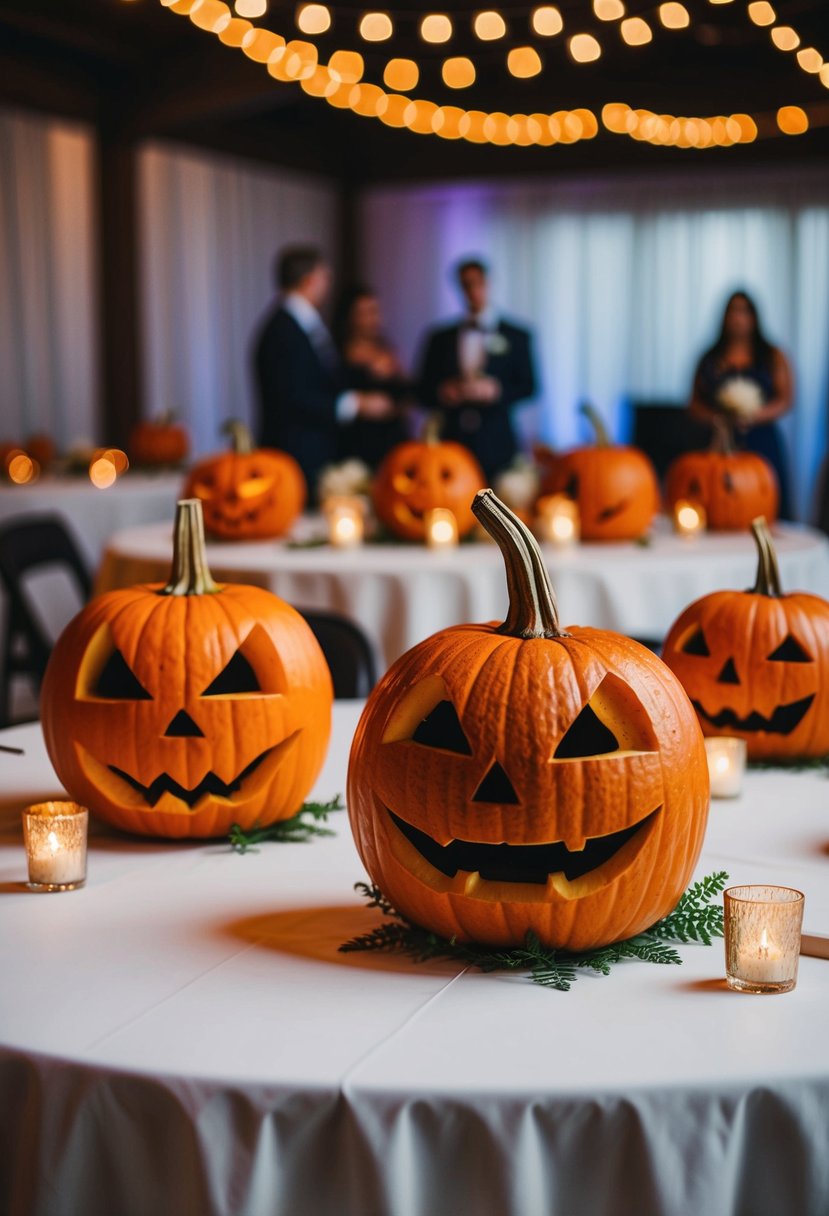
790	651
696	644
442	728
237	676
117	683
572	487
728	675
496	787
587	736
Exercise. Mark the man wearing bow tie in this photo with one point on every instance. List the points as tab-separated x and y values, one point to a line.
475	371
302	397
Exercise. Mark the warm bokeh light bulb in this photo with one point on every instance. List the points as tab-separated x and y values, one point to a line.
810	59
210	15
21	468
674	16
436	27
118	459
546	21
609	10
761	12
365	99
102	473
614	115
346	66
523	62
376	27
824	75
458	73
251	8
584	48
792	120
446	122
313	18
785	38
235	32
489	25
400	75
420	116
748	127
635	31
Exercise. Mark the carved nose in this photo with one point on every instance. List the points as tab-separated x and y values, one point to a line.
728	675
183	727
496	787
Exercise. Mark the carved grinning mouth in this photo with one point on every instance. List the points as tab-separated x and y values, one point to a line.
783	721
209	784
528	863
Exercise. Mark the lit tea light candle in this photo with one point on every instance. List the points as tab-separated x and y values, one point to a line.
726	765
441	528
689	517
55	838
762	938
345	522
558	520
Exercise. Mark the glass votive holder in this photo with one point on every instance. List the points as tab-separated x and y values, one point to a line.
558	520
762	938
726	765
55	837
689	517
346	522
441	528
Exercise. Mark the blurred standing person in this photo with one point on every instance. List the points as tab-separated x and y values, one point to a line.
304	400
746	379
370	363
474	371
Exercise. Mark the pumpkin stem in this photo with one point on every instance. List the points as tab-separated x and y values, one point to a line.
722	437
189	574
533	612
432	428
597	422
240	436
768	572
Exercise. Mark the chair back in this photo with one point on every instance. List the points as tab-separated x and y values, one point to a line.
347	651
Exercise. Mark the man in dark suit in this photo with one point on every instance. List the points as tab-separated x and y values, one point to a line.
302	399
473	372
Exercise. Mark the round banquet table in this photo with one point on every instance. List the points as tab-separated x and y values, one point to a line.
402	593
182	1036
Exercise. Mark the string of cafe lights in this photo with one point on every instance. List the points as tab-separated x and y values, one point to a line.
341	84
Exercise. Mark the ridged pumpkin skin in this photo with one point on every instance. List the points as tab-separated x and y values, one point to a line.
159	441
733	487
756	665
247	493
516	699
615	486
416	477
187	744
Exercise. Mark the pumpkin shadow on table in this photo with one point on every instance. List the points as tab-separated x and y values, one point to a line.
715	984
317	932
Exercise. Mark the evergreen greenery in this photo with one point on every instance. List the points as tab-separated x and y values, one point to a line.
694	918
304	825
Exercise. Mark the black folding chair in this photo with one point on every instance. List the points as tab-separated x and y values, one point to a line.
347	651
30	543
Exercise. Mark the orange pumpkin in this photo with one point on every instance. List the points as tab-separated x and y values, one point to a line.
733	487
615	486
159	441
515	777
247	494
42	449
756	663
417	476
179	710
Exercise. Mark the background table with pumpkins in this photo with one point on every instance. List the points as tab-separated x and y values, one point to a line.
402	593
190	1007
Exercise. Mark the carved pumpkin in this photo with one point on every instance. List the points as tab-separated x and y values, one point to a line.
159	441
417	476
615	486
756	663
513	777
179	710
247	494
733	487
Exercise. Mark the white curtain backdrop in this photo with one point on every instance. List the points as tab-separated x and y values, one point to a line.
48	353
623	281
210	227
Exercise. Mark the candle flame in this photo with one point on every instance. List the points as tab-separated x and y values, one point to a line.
53	842
722	764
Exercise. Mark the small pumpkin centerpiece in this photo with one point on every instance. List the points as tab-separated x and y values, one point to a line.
614	485
247	493
733	487
515	777
756	663
180	710
159	442
420	475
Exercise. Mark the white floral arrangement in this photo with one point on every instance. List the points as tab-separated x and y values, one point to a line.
352	477
740	396
518	485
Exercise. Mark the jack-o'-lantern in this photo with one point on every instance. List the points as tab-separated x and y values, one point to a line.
158	441
515	777
756	663
417	476
614	485
247	493
180	710
733	487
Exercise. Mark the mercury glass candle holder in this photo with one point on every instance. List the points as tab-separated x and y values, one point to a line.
558	520
762	938
55	837
441	528
689	518
726	765
346	525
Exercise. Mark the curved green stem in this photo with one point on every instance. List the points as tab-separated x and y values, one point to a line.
240	436
722	436
597	422
768	572
190	574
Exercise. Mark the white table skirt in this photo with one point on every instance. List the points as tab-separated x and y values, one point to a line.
401	594
182	1036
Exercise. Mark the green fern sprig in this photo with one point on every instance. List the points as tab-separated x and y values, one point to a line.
695	918
304	825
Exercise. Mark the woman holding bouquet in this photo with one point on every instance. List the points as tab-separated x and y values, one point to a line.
747	382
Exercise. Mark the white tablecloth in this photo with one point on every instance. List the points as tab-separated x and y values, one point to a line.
182	1036
401	594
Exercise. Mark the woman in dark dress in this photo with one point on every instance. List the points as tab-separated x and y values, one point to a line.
371	365
747	380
